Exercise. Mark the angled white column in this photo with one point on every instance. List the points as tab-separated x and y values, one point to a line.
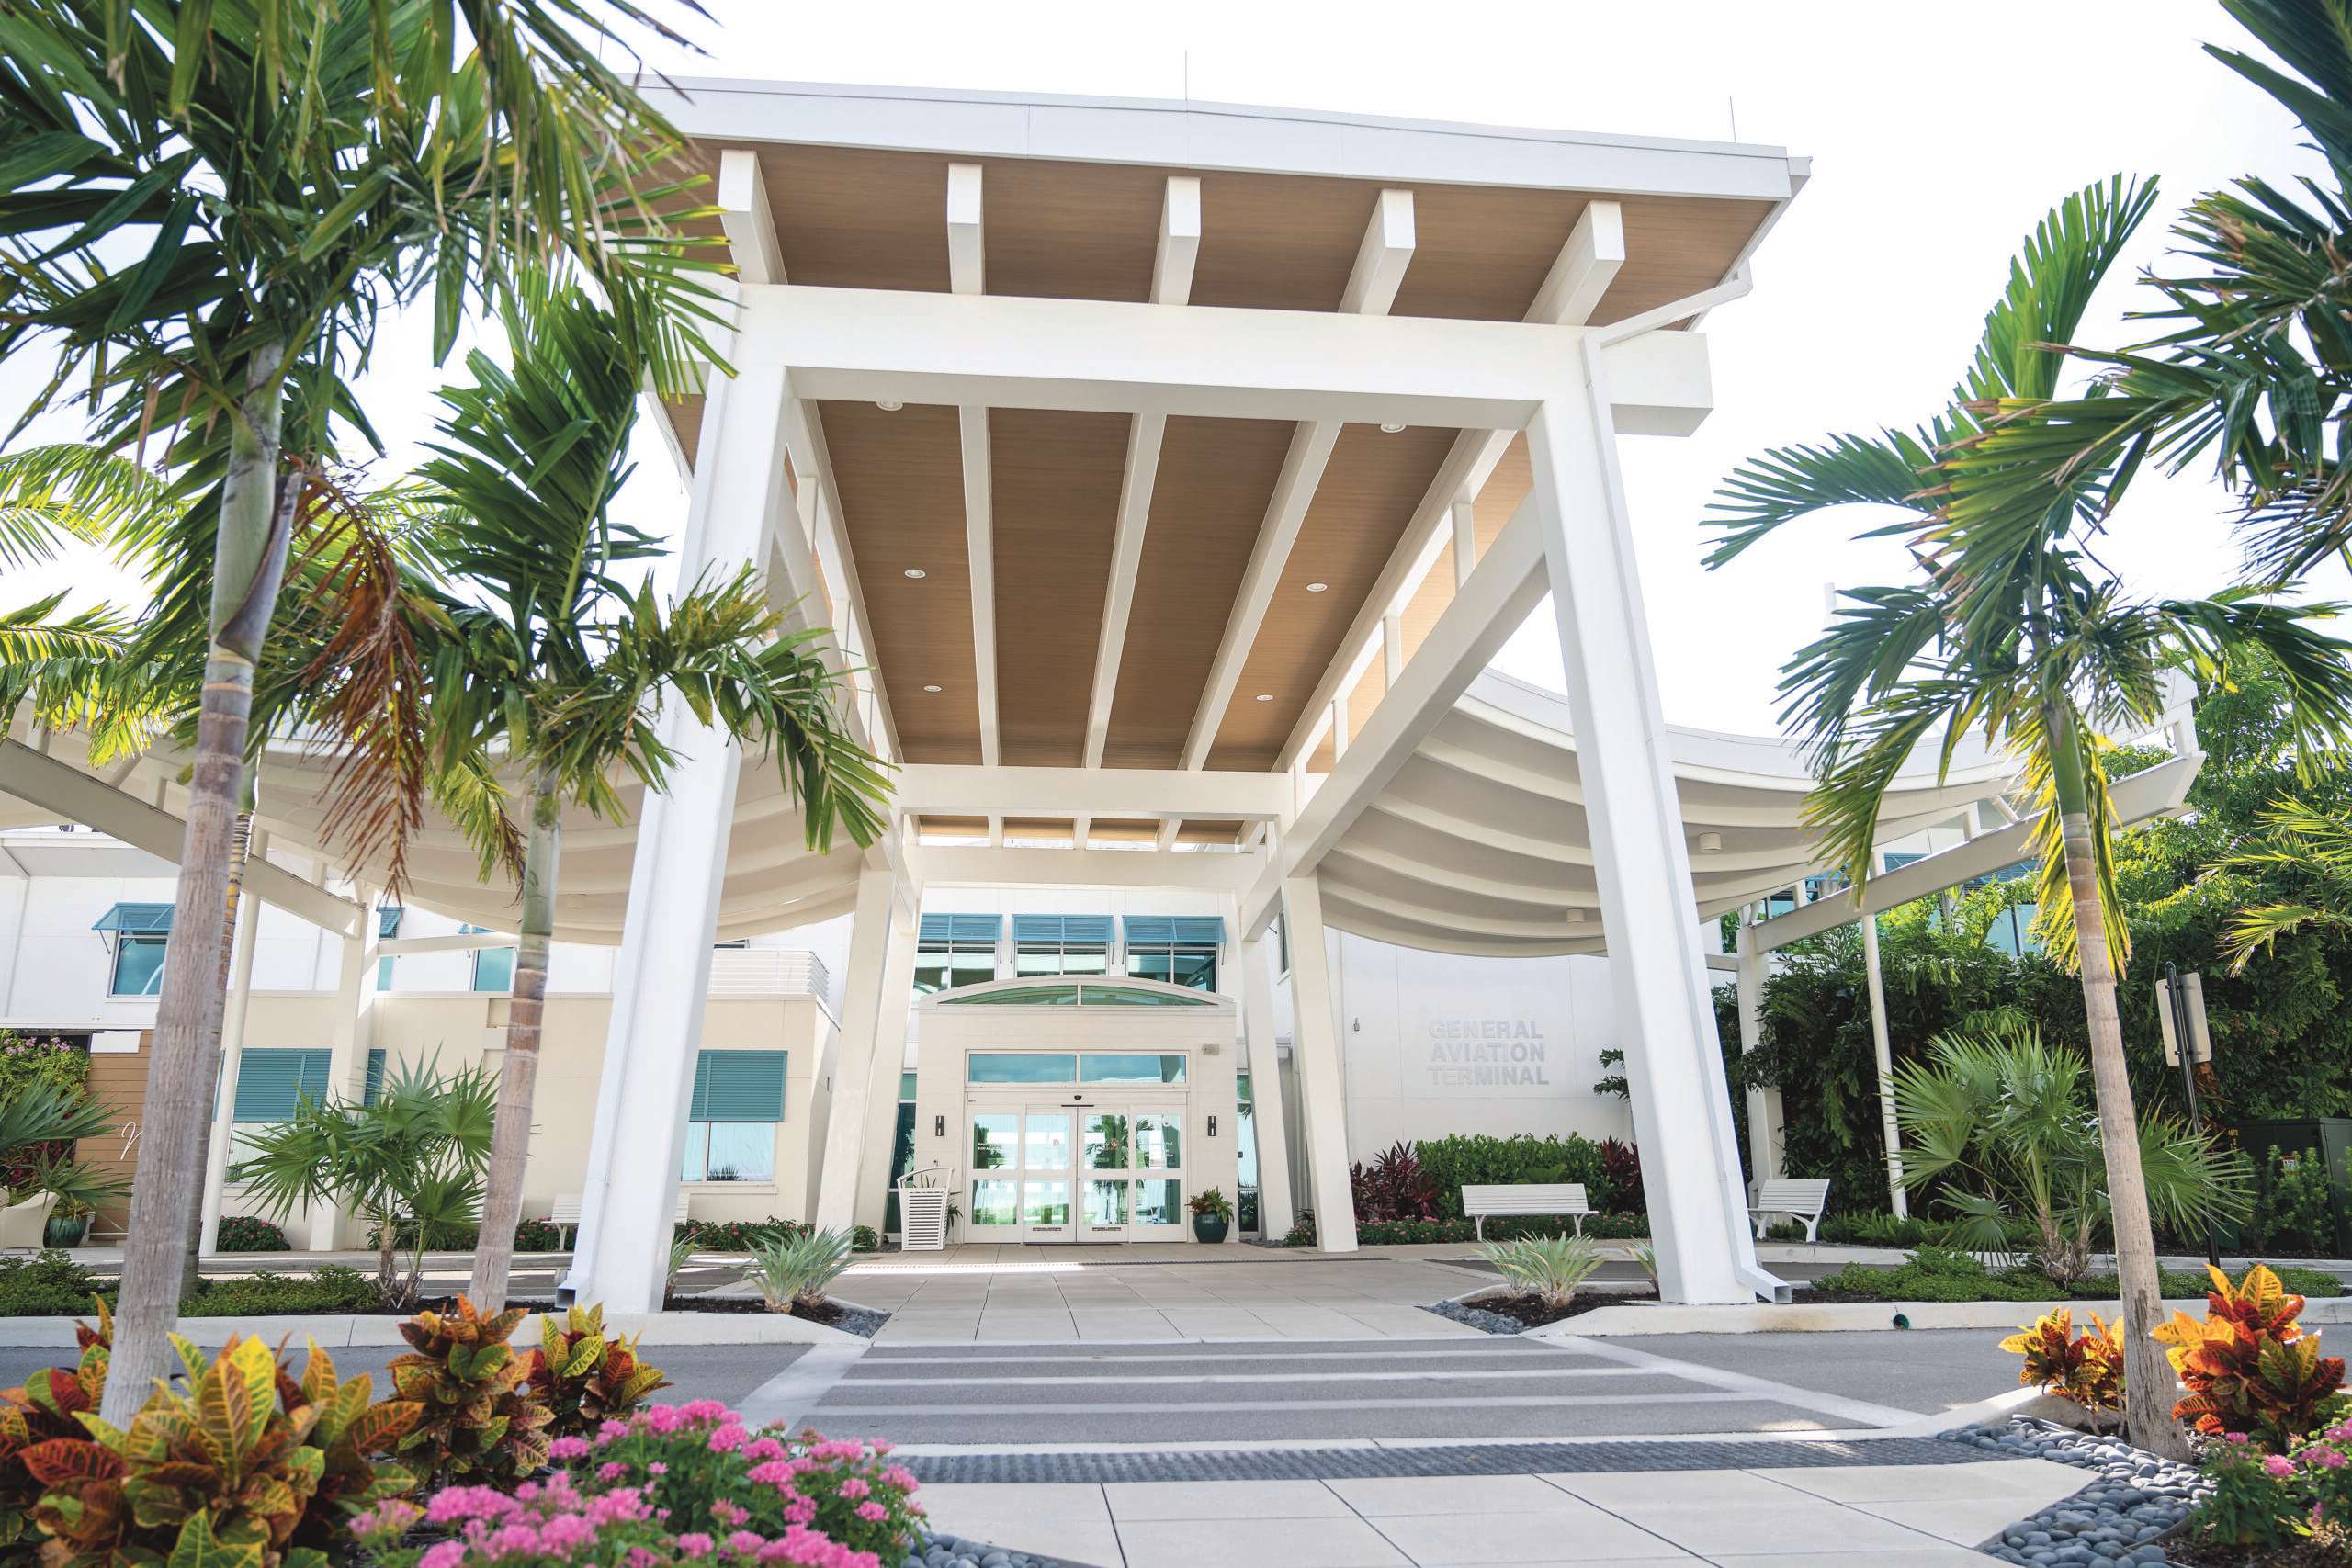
1314	1049
232	1050
347	1042
661	975
1275	1210
889	1059
1765	1138
874	933
1681	1103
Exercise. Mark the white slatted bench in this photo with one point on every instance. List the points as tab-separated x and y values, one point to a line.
1565	1198
1795	1199
567	1213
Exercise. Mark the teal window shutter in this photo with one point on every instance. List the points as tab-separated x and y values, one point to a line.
374	1076
1164	930
739	1085
271	1083
961	929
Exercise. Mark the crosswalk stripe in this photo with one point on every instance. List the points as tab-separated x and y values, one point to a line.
829	1409
1514	1373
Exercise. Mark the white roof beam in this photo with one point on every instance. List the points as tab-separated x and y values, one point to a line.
1171	284
743	213
1380	266
967	274
954	789
950	865
967	250
1584	269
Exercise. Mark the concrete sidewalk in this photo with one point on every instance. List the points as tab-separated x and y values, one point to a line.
1883	1515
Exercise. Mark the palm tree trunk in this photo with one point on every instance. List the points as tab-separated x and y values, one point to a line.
240	843
2147	1375
510	1139
249	563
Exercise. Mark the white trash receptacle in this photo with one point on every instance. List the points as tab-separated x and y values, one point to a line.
922	1218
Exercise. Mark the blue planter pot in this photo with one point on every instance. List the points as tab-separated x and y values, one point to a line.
1210	1227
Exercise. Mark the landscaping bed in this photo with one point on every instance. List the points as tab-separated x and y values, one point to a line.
1937	1274
1515	1311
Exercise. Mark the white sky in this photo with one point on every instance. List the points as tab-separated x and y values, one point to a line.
1937	138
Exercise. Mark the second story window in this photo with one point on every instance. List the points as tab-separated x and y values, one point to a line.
493	966
1061	944
1180	950
135	935
388	926
956	950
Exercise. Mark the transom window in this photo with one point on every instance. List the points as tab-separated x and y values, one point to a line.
732	1119
1074	1067
1061	944
137	933
956	950
1180	950
1071	995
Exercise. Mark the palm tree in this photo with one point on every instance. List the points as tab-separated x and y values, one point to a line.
409	1158
1995	1118
2013	629
284	170
553	668
2310	845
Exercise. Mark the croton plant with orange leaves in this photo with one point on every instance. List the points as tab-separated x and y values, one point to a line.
2086	1370
2250	1368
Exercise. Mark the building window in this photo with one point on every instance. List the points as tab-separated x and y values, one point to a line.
138	934
732	1119
271	1084
956	950
1061	944
388	926
1180	950
493	966
1106	1067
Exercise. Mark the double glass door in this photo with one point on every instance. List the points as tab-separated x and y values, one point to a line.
1077	1173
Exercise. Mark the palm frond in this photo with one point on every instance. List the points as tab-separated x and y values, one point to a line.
1788	482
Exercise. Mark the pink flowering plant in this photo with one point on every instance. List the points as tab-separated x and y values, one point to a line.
2269	1500
672	1484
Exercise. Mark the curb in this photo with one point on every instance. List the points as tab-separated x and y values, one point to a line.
1851	1316
653	1328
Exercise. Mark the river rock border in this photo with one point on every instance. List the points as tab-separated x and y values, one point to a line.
2116	1520
954	1551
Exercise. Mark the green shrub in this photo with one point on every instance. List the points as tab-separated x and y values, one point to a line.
1878	1230
249	1233
1550	1267
538	1235
1944	1274
334	1290
1479	1159
865	1238
51	1284
1301	1230
2294	1210
738	1235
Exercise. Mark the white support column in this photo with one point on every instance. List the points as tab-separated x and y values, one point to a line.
873	935
349	1033
662	976
1898	1200
889	1060
1681	1105
1315	1048
1275	1210
1766	1139
232	1049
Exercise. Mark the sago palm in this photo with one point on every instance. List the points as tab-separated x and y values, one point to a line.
2012	629
547	665
204	210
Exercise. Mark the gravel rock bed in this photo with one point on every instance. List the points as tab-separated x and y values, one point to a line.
865	1322
2115	1520
1478	1317
955	1552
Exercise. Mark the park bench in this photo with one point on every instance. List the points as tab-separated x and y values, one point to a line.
1481	1203
1796	1200
567	1213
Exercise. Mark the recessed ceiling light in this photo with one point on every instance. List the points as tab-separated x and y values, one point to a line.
892	405
931	688
1316	587
1388	427
1265	696
917	573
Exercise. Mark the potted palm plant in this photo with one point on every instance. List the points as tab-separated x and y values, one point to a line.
1212	1215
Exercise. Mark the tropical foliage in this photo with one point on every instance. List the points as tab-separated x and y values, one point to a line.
1548	1267
407	1159
2250	1368
480	1421
46	1407
244	1465
585	1379
791	1271
1999	1123
2085	1368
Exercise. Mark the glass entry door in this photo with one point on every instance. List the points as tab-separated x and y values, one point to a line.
1021	1174
1131	1178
